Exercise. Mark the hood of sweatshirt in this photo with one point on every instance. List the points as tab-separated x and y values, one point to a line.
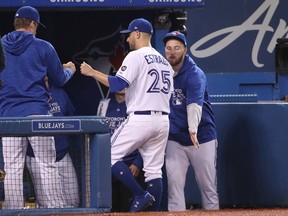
17	42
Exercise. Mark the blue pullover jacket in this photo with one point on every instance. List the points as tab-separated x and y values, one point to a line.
190	87
28	61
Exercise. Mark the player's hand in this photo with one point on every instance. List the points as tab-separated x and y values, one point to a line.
70	65
86	69
194	139
134	169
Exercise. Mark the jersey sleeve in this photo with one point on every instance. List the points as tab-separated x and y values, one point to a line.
196	85
116	83
129	68
55	72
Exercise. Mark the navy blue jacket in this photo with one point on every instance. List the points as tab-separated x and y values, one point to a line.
28	61
190	87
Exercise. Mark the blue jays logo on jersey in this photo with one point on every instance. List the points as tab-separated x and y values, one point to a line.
115	122
178	97
54	107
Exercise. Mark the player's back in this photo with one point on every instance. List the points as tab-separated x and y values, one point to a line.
150	79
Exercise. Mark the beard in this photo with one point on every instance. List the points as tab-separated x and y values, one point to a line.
174	61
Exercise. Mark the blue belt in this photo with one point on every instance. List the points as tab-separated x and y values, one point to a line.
149	112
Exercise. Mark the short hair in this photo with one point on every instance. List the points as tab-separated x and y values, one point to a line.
22	23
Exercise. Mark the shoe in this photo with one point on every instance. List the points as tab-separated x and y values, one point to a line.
142	202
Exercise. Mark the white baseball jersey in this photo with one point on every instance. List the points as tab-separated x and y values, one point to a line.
154	90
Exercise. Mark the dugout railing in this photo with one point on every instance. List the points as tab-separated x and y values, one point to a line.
95	158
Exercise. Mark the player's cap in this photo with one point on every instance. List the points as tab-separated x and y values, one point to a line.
141	25
177	36
29	12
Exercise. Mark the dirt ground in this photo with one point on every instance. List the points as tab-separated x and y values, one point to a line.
226	212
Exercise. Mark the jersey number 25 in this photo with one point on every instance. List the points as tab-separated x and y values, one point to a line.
159	80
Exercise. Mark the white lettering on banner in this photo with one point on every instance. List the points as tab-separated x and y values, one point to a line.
235	32
50	125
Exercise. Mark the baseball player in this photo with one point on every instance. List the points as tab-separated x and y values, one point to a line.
191	123
60	105
148	79
114	108
23	93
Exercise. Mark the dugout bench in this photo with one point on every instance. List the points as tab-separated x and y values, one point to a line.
95	157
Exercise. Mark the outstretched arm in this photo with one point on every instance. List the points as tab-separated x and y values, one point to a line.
87	70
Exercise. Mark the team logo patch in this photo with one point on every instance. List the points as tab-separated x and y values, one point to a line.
123	68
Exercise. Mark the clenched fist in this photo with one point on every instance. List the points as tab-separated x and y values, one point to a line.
86	69
70	65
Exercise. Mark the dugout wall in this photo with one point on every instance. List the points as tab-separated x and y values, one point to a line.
94	155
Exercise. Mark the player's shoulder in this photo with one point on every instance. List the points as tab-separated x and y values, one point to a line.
142	51
43	43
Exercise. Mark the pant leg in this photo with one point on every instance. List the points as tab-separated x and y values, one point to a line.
34	171
14	151
69	182
177	164
49	190
203	161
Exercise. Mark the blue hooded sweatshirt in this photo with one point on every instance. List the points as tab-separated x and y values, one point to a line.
190	87
28	61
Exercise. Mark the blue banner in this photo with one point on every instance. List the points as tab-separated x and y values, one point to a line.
56	125
124	4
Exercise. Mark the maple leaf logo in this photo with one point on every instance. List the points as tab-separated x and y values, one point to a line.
116	58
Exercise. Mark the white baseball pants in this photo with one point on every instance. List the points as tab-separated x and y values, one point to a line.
69	183
14	153
178	159
149	134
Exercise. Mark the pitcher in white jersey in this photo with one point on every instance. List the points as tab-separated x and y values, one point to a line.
148	79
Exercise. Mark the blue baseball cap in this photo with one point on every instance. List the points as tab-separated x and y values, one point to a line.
141	25
29	12
177	36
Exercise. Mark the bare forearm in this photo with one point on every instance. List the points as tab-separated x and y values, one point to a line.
87	70
101	77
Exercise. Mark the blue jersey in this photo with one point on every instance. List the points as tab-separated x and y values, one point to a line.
60	105
190	87
28	61
116	113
